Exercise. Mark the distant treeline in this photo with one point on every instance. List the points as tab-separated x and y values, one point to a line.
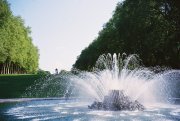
17	52
149	28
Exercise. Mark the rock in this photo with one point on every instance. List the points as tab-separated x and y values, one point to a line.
96	105
116	100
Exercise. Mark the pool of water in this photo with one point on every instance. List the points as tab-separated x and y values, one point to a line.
76	110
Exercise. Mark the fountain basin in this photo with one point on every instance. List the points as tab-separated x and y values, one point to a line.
76	109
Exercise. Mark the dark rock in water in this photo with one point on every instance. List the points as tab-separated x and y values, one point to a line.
116	100
96	105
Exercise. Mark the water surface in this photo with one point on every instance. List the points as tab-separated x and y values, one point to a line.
76	110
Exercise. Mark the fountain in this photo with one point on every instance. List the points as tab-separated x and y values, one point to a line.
116	100
118	88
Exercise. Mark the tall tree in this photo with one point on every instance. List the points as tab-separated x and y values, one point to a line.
149	28
17	52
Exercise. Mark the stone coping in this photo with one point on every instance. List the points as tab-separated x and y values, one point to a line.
27	99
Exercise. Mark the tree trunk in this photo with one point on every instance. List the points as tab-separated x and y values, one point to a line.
8	68
3	69
18	70
13	68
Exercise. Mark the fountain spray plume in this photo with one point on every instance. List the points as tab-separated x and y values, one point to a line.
122	72
111	72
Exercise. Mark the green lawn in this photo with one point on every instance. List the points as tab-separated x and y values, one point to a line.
13	86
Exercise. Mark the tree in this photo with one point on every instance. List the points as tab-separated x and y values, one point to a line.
18	54
148	28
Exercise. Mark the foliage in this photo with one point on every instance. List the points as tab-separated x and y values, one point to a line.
48	86
17	52
149	28
13	86
43	73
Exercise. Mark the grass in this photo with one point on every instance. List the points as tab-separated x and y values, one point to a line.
13	86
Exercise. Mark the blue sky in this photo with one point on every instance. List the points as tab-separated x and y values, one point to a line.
63	28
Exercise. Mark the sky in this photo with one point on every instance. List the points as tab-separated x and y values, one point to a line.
61	29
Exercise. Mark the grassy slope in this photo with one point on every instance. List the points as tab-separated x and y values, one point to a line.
12	86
